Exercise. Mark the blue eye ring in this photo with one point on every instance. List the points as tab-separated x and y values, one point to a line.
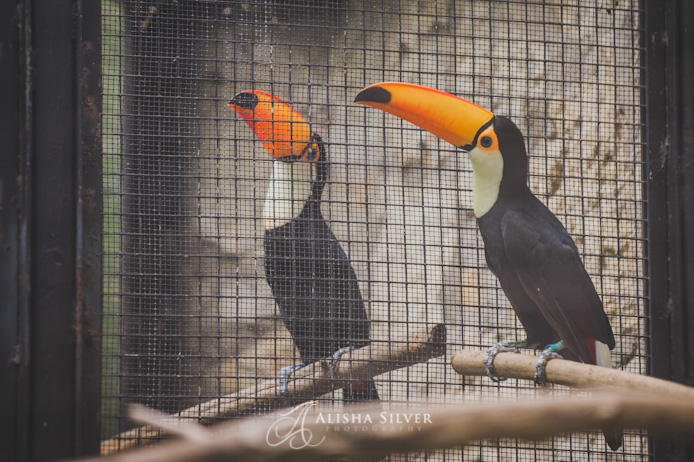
486	141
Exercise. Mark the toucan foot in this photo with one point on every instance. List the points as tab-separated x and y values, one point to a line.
338	354
285	372
550	352
489	359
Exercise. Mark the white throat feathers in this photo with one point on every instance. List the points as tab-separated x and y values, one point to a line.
288	190
487	172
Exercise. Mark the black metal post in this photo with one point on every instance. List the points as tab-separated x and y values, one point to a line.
50	228
670	154
10	197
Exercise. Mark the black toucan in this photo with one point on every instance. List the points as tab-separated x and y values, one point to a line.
526	247
311	278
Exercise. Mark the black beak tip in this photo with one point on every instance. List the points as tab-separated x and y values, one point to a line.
245	100
374	95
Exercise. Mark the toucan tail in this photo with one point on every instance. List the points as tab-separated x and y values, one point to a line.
614	438
603	357
358	392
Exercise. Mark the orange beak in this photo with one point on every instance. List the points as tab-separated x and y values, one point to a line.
450	118
281	129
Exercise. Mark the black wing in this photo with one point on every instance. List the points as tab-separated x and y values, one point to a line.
315	288
550	270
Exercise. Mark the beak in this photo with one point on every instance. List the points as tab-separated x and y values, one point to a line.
281	129
450	118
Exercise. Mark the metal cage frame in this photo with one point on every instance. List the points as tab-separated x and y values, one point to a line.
50	219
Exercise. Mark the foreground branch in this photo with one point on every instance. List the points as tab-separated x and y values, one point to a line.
569	373
311	438
307	383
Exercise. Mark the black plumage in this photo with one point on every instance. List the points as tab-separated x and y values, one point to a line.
526	247
315	286
537	262
539	267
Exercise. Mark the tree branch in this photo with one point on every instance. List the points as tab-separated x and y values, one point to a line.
185	429
569	373
446	427
307	383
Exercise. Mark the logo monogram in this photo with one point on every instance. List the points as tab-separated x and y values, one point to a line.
289	428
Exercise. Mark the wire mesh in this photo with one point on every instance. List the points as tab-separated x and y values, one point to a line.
188	313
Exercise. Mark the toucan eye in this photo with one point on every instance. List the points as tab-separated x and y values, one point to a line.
311	154
485	141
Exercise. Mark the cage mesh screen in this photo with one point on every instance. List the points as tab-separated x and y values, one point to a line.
189	316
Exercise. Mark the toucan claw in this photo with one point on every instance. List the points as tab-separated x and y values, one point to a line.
285	372
550	352
489	359
337	355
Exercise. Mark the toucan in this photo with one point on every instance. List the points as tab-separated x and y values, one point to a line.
531	253
312	280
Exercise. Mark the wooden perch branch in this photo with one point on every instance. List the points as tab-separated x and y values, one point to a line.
570	373
168	424
307	383
446	427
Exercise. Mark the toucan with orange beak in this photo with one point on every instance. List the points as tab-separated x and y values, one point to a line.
526	246
312	280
